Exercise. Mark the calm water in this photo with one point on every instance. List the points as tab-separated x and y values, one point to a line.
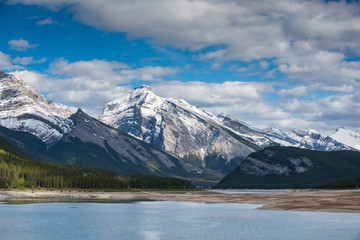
169	220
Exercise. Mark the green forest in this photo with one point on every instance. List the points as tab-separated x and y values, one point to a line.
23	173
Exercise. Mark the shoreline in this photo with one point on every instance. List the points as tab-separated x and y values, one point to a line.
288	200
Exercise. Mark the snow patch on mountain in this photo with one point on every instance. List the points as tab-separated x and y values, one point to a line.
348	137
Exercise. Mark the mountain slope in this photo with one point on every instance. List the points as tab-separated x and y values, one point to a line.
23	109
311	139
348	137
92	143
288	167
178	127
244	130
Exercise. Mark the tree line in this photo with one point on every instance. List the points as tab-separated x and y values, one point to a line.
23	173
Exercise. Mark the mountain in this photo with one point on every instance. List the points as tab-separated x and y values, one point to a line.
92	143
348	137
48	131
244	130
311	139
289	167
176	126
23	109
285	138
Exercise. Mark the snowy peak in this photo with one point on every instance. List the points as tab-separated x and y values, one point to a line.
17	98
348	137
176	126
23	109
317	141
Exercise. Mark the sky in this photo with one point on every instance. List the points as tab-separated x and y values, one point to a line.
284	63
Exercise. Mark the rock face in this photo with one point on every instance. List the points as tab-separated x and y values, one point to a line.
23	109
267	166
178	127
116	150
290	167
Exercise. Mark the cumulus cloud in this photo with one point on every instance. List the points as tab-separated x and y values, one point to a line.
6	63
21	45
302	41
335	110
243	100
306	37
90	84
27	60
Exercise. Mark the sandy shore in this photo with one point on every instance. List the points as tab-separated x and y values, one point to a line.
321	201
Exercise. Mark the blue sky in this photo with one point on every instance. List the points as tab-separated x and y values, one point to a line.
284	64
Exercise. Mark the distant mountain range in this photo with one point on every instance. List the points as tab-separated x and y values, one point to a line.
342	139
143	133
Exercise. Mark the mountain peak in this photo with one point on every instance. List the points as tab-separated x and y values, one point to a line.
143	88
4	75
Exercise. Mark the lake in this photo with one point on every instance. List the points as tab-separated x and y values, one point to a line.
169	220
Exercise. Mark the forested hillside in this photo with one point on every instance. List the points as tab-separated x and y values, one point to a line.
18	172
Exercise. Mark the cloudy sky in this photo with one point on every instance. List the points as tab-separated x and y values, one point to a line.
283	63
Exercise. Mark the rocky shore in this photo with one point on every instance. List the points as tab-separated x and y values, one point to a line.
294	200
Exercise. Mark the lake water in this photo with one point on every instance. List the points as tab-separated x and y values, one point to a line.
170	220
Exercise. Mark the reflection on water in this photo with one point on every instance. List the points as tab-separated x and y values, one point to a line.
169	220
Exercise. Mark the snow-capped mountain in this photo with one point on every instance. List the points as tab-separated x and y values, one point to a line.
23	109
286	138
116	150
178	127
244	130
311	139
317	141
348	137
49	131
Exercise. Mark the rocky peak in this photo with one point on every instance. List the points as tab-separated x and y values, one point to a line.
23	109
17	98
11	87
3	75
144	88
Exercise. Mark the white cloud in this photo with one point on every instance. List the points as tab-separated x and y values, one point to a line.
47	21
89	84
296	91
23	60
240	99
6	63
327	112
306	42
309	39
27	60
21	45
